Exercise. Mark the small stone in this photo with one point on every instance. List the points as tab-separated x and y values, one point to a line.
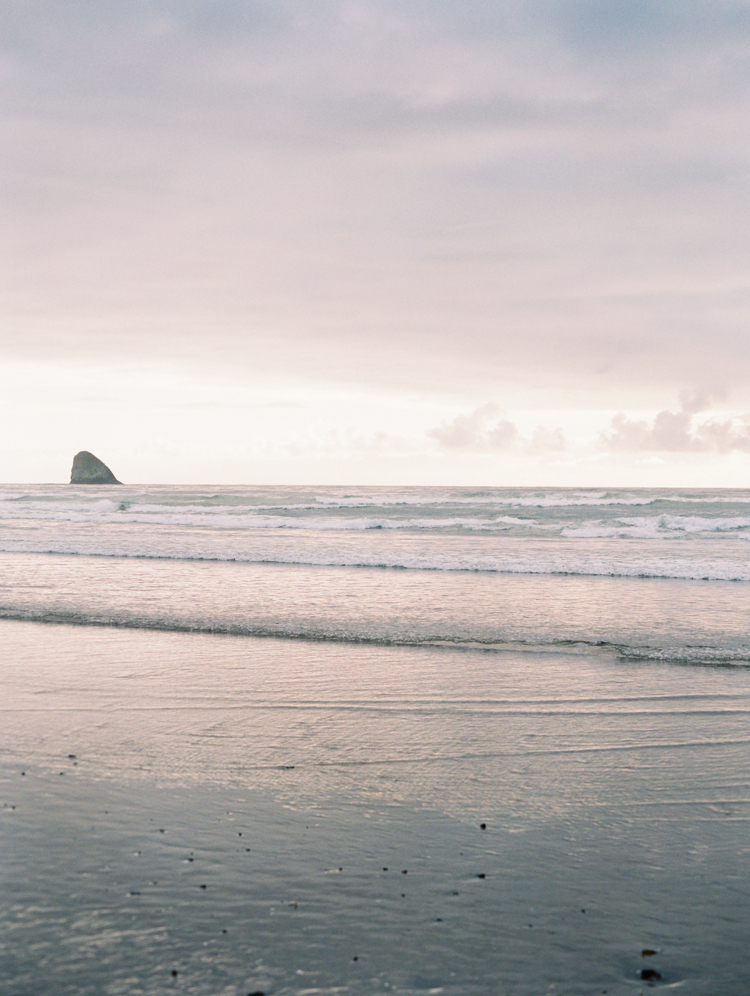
482	826
650	975
174	973
647	952
481	875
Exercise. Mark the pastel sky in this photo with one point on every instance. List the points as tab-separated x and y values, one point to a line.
376	241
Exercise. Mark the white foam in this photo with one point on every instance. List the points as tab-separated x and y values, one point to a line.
700	524
423	528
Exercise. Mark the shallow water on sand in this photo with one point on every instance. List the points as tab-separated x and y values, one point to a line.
618	789
638	618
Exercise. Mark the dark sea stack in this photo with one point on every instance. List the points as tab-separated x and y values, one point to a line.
88	469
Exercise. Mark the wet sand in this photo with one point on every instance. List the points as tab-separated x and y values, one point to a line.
280	817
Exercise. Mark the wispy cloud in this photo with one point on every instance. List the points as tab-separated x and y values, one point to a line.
342	443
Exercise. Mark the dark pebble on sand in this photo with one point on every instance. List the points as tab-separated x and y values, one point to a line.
23	772
204	887
482	826
405	871
72	757
355	958
647	952
650	975
258	992
481	875
174	973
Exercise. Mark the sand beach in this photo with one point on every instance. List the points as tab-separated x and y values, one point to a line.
205	814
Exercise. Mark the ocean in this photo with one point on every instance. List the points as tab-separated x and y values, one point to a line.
647	575
410	740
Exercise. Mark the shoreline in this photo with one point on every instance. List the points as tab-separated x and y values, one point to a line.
641	619
613	788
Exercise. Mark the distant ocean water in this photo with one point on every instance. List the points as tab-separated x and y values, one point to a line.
646	574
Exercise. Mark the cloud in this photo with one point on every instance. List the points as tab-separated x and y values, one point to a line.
547	189
342	443
484	431
679	432
476	432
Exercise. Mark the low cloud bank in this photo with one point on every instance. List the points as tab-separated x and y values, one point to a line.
678	432
484	431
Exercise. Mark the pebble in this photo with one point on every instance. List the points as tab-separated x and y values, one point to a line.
650	974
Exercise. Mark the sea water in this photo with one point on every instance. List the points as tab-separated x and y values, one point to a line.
648	574
409	740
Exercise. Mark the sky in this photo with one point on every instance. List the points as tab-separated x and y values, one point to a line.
480	242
